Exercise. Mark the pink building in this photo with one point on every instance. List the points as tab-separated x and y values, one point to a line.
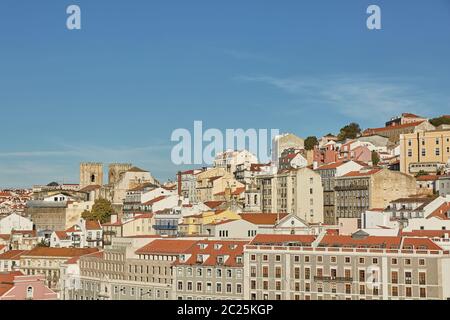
17	286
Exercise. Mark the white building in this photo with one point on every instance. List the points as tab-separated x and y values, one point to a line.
15	222
231	229
230	159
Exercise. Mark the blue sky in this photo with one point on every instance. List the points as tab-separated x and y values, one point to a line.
115	90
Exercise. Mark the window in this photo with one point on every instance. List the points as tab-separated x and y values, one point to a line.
307	273
423	292
278	272
422	278
218	288
408	277
421	262
408	292
408	262
180	285
347	260
394	277
253	257
277	258
394	261
265	272
438	151
362	260
362	276
307	259
348	289
395	291
199	287
30	293
297	273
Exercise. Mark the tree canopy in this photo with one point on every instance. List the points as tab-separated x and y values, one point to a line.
375	158
440	120
101	211
350	131
311	142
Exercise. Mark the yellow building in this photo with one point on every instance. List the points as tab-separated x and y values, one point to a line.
426	151
211	184
193	225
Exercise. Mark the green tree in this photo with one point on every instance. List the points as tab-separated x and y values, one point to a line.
101	211
350	131
440	120
375	158
311	142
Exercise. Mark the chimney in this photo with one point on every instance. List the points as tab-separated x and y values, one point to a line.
114	218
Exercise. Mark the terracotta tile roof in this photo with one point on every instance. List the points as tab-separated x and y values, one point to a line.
420	244
281	239
62	235
93	225
144	216
5	237
362	173
263	218
59	252
443	212
208	252
7	281
12	254
428	177
333	165
367	242
213	204
151	202
426	233
169	247
399	126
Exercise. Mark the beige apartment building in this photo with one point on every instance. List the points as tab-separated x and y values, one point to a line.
345	268
426	151
211	270
296	191
370	188
129	270
48	261
212	184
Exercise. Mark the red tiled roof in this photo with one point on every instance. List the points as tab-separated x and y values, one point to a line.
333	165
362	173
206	253
169	247
12	254
213	204
59	252
93	225
5	237
400	126
281	239
7	281
426	233
263	218
420	244
62	235
428	177
370	241
441	212
149	203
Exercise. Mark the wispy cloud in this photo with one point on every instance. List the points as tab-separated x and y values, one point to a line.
356	96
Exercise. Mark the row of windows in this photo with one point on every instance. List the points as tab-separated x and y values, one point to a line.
200	287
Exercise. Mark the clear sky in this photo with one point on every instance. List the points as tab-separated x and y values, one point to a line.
115	90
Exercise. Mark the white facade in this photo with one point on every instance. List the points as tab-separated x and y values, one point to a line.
15	222
231	229
230	159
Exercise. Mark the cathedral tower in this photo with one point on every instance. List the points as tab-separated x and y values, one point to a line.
91	174
116	170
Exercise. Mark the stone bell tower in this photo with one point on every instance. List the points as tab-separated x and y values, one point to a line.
116	171
91	174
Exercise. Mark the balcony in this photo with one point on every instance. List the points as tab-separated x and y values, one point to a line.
165	227
332	279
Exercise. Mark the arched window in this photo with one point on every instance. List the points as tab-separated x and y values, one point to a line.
30	293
